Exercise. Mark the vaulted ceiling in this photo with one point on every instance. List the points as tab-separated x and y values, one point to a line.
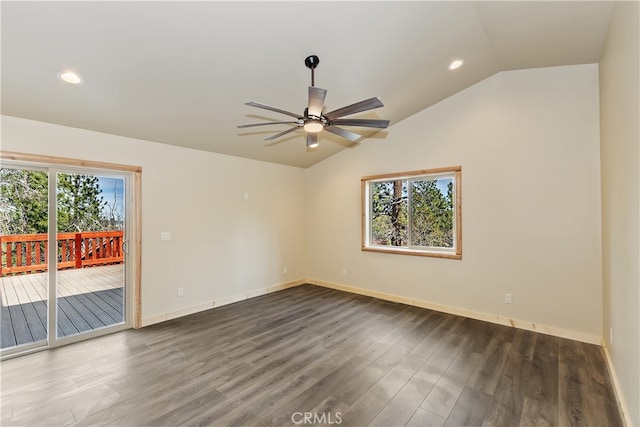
180	72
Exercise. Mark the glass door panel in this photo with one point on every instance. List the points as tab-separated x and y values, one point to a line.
24	248
90	250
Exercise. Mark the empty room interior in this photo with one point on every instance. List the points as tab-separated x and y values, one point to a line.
320	213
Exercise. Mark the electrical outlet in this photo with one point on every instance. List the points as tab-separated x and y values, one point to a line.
180	292
508	298
344	271
285	270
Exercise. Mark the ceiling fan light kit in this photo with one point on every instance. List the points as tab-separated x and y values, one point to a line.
313	121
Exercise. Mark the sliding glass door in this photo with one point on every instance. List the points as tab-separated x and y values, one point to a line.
64	244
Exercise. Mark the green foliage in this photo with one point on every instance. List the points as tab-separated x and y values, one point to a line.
431	218
432	215
24	201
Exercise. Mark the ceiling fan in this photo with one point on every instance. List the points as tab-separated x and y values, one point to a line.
313	120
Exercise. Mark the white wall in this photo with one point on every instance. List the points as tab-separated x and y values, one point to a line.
528	144
620	154
222	246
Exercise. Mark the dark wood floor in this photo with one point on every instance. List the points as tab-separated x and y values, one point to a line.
332	357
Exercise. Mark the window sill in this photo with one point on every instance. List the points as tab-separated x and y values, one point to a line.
414	252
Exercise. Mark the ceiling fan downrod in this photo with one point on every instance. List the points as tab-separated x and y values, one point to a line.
312	62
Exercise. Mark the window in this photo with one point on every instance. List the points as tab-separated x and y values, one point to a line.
415	213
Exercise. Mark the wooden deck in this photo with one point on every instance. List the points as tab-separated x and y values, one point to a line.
88	299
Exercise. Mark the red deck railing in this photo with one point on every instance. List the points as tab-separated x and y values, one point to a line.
28	253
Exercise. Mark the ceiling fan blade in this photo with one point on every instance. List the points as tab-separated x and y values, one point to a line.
312	140
351	136
279	134
316	100
270	108
369	123
367	104
249	125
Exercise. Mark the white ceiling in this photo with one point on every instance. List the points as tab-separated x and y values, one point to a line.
180	72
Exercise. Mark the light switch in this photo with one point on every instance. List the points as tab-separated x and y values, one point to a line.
165	235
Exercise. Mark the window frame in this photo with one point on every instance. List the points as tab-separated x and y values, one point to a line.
453	171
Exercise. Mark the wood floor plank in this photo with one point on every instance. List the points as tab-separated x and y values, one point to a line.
256	406
488	373
524	344
317	393
353	389
604	399
537	413
542	385
404	404
423	418
89	407
429	322
470	409
575	405
436	336
183	414
444	395
61	419
508	399
407	320
330	412
365	409
440	360
479	333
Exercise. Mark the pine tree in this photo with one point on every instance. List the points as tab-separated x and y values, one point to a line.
431	214
389	213
80	203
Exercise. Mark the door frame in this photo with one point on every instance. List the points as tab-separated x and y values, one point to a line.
134	233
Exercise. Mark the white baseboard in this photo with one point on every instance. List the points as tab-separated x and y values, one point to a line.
219	302
516	323
622	407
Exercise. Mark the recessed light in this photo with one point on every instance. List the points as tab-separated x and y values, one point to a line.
455	64
70	77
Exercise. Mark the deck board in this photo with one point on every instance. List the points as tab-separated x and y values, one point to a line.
6	339
88	299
